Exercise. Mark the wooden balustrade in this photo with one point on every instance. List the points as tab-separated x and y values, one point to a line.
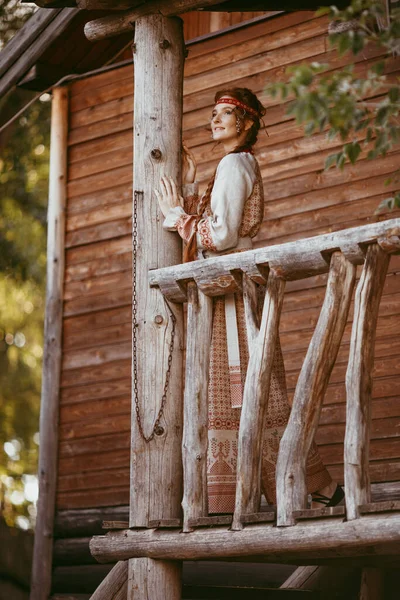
313	380
359	379
195	416
197	282
255	401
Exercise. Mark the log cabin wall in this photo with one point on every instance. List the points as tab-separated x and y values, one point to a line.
301	201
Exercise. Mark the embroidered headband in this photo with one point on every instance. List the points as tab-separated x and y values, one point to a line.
228	100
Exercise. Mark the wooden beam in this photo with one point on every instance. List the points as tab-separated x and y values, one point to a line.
255	402
43	546
156	465
293	260
108	5
359	380
21	62
330	582
291	490
195	416
21	41
377	534
110	26
114	586
372	584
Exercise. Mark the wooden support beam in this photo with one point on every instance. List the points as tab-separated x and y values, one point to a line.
291	261
108	5
255	401
291	490
35	42
359	380
47	470
310	541
329	582
114	586
195	416
372	584
156	465
113	25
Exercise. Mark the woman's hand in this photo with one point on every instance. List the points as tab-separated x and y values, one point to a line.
188	165
169	197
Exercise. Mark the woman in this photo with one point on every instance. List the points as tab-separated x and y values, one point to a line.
225	220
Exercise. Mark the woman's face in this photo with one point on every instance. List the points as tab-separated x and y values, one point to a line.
223	124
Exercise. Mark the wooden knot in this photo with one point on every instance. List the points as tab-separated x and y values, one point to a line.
158	319
159	430
156	153
164	44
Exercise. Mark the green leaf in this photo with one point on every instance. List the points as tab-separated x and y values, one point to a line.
353	151
386	204
378	68
344	43
358	42
340	160
330	161
394	94
382	115
323	10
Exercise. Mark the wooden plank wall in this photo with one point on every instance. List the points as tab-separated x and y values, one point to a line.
301	200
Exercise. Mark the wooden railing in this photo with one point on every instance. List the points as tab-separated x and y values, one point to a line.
196	283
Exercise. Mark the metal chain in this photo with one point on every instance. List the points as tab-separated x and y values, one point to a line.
157	429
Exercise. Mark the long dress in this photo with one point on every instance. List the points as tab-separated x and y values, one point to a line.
231	218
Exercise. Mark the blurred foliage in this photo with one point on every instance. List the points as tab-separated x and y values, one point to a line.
13	15
23	207
362	112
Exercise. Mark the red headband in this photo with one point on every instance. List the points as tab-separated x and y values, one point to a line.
227	100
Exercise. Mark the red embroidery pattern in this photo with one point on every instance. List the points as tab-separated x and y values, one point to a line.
223	420
205	235
253	211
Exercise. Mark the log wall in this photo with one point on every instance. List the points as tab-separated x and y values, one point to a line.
301	200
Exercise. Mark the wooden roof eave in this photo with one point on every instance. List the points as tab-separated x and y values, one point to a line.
28	45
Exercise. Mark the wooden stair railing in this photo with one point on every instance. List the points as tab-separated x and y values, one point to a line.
198	282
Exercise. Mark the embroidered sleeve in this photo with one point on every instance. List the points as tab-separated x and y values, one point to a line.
184	226
204	235
178	220
233	184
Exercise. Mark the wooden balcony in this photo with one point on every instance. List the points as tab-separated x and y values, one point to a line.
288	532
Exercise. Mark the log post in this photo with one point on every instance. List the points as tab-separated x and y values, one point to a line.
43	545
314	376
195	416
359	380
156	465
255	400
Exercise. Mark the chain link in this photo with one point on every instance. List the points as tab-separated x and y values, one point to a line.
157	429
